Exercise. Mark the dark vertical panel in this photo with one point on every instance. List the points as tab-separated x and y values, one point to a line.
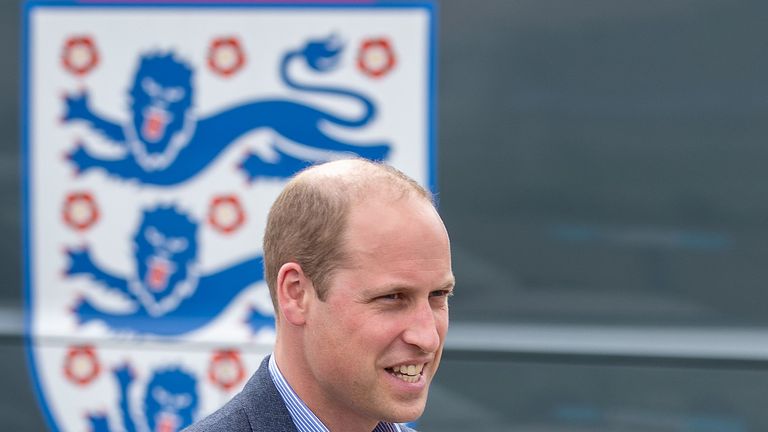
604	161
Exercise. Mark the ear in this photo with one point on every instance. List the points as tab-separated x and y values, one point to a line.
294	290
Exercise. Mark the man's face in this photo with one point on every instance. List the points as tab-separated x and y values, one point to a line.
375	343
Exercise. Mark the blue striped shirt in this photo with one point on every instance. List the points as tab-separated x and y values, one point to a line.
303	417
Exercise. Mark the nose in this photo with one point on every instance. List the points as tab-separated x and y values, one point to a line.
421	328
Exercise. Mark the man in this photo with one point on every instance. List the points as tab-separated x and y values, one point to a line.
359	269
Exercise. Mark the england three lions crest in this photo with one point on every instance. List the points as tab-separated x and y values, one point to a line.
152	156
164	142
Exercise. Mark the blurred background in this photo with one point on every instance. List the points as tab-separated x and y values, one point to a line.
600	170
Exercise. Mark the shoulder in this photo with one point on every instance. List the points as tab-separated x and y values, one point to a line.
230	417
258	407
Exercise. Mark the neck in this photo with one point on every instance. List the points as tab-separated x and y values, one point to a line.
295	369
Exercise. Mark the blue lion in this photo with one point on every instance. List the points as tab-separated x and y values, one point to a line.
165	144
170	402
168	294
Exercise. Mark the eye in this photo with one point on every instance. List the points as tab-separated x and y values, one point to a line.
162	396
173	94
182	401
176	245
151	87
154	237
441	293
391	297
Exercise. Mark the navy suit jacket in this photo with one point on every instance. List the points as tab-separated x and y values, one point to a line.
258	408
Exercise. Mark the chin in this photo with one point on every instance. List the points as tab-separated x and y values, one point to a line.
407	414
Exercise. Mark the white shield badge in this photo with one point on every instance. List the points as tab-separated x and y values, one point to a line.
156	136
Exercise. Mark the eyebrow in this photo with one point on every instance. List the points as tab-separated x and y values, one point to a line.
373	292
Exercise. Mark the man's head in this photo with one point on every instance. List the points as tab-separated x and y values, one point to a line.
358	264
307	220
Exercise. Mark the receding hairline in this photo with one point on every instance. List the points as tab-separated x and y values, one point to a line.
357	178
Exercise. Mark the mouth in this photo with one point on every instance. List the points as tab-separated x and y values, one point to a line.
167	423
155	121
158	273
409	373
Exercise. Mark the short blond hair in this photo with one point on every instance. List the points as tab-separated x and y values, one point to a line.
307	221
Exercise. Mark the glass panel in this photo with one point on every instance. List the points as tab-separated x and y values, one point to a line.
604	162
498	396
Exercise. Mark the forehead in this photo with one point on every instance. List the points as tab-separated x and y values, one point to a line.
403	228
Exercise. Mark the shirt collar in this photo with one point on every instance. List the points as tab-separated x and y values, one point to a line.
303	417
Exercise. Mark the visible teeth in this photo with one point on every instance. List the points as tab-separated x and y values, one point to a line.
407	378
408	373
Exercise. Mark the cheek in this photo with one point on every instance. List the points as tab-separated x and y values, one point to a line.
332	329
362	331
